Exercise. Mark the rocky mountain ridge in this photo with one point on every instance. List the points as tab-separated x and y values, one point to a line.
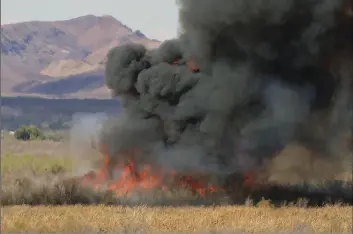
61	58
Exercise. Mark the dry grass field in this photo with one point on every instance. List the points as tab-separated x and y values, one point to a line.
186	219
33	172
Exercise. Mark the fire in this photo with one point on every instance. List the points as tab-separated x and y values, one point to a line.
131	180
191	65
146	177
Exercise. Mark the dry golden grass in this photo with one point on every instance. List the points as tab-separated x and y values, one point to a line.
164	219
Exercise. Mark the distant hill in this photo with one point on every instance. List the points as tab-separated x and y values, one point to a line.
61	58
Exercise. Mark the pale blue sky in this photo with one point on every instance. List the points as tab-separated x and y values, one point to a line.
155	18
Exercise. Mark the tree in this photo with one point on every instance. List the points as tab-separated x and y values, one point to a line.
30	132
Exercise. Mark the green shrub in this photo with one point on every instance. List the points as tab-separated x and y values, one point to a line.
30	132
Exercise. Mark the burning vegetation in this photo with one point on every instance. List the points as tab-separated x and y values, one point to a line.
132	179
245	81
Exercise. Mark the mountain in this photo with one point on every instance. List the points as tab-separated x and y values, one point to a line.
61	58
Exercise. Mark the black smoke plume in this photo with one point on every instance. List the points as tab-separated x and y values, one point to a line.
271	73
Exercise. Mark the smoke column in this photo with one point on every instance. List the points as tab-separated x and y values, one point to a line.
271	73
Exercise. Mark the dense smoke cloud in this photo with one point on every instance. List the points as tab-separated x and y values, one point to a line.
271	72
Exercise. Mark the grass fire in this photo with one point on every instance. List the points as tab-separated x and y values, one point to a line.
253	99
130	178
246	81
239	123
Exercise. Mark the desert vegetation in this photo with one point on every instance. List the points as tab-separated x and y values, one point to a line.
42	185
119	219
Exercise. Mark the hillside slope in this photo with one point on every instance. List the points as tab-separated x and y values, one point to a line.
37	56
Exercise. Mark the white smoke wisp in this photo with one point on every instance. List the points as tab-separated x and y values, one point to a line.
84	139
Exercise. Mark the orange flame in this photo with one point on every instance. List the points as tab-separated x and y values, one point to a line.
133	179
191	65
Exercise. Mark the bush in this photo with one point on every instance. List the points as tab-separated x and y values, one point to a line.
30	132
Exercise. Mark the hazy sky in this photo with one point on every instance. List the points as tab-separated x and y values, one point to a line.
155	18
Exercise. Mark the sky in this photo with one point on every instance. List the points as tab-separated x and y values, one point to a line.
157	19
